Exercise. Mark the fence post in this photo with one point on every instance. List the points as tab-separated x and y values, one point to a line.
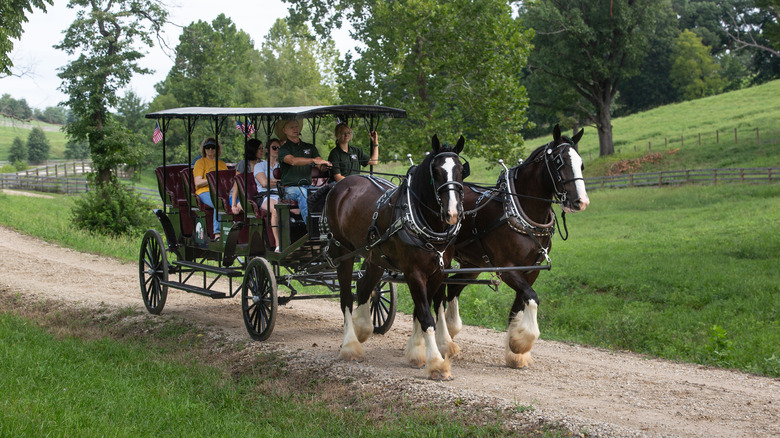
715	176
631	180
700	139
735	135
758	139
660	179
742	175
682	140
666	143
649	146
717	136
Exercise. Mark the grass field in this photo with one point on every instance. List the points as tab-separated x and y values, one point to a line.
68	372
10	129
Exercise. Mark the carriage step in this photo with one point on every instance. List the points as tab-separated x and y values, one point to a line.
194	289
228	272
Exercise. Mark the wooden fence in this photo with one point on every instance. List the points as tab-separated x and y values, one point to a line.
64	169
49	184
676	177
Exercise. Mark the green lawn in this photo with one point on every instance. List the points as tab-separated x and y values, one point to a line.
10	129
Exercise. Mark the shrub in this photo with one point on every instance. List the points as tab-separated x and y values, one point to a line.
112	209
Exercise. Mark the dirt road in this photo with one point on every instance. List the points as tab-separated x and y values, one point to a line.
591	391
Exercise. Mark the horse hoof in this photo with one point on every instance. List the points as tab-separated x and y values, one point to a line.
519	361
445	376
417	364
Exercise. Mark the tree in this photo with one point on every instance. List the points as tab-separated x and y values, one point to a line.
12	14
18	151
37	146
453	65
77	150
694	73
592	47
104	36
297	67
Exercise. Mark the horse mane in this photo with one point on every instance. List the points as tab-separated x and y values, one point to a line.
538	151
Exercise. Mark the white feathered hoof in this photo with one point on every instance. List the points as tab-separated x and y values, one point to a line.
415	356
352	351
439	369
523	330
451	351
362	320
518	361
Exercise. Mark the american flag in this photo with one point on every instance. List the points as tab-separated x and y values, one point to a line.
248	131
157	135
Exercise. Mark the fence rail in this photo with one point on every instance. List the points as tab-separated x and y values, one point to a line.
676	177
43	183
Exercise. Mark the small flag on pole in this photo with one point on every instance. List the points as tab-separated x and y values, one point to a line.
157	135
248	131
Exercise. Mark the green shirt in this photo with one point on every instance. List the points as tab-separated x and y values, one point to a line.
292	175
347	163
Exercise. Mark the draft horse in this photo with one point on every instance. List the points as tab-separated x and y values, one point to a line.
408	229
513	225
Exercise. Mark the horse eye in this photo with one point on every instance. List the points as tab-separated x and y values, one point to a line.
582	167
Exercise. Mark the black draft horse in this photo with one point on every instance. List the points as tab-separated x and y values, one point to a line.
515	228
408	229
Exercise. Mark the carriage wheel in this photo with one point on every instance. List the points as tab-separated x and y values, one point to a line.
383	302
152	269
259	299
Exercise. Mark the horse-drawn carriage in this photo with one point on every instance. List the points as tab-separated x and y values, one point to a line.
404	233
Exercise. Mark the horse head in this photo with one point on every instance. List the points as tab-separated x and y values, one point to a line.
565	167
445	173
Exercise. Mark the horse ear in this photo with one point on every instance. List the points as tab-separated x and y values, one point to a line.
577	136
435	144
557	133
459	146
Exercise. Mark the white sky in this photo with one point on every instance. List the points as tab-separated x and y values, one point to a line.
34	51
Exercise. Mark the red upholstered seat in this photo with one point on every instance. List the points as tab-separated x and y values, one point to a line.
194	201
222	190
248	192
169	184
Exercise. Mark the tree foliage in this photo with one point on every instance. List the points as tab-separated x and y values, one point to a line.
76	150
13	13
591	47
18	151
694	72
105	36
452	65
37	146
15	108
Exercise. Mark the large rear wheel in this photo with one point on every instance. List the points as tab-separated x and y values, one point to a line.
152	269
259	299
384	299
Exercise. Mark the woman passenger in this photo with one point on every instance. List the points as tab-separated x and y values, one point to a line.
347	159
209	150
266	188
253	152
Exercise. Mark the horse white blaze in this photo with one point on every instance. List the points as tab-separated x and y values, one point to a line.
362	319
351	349
576	167
454	324
524	329
452	210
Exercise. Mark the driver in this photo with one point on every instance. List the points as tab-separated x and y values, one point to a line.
296	158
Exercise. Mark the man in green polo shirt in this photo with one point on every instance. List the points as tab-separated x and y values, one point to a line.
347	159
296	158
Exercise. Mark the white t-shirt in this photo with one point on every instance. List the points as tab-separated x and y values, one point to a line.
262	167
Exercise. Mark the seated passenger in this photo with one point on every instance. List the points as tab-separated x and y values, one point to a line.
267	188
209	151
296	159
253	152
347	159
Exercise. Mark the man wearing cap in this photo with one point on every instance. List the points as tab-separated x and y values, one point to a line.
296	158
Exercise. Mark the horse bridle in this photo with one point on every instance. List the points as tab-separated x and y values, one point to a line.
554	170
447	185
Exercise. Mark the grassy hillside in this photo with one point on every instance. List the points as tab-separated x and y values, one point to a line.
10	129
746	110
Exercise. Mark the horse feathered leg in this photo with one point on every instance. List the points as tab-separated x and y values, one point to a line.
364	328
415	347
443	339
351	349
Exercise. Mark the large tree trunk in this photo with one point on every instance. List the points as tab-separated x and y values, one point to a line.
604	128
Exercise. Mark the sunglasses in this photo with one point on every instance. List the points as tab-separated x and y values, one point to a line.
276	148
209	146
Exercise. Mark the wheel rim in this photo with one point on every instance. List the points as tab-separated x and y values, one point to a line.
152	269
383	303
259	299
